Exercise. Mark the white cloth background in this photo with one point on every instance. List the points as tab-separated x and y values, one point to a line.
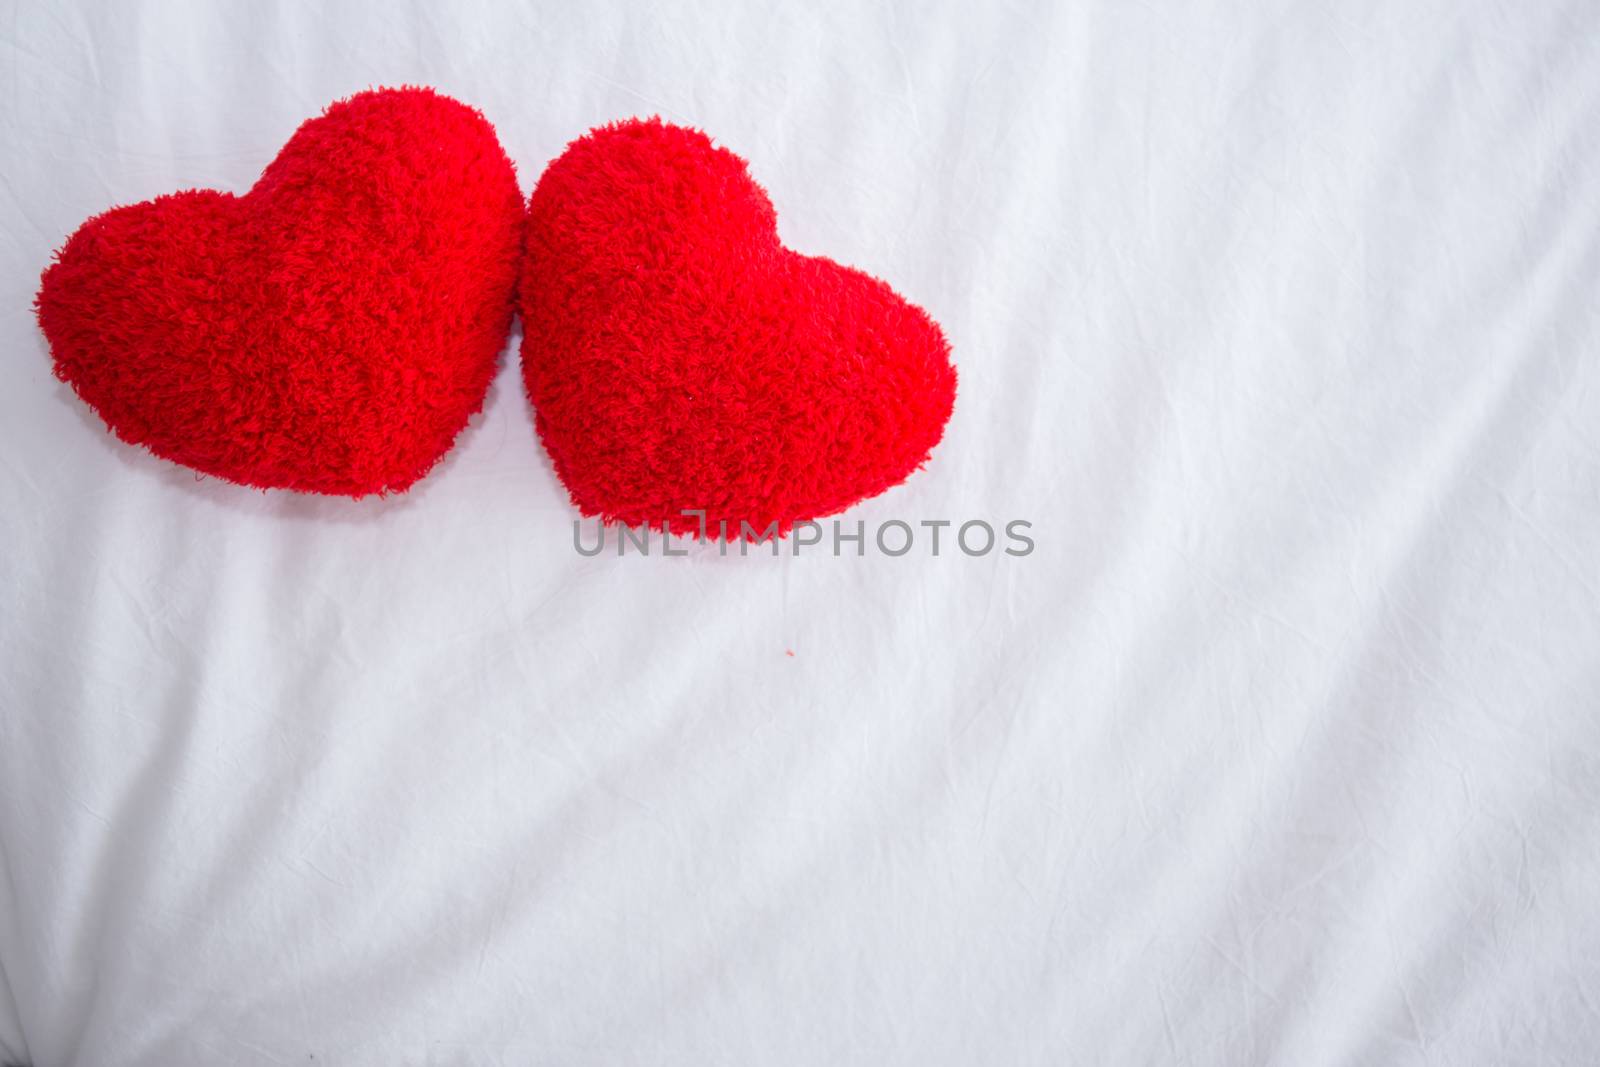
1279	322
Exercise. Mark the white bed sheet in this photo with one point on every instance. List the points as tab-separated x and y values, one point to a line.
1277	320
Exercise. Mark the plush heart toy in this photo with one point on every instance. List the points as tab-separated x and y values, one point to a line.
679	357
331	330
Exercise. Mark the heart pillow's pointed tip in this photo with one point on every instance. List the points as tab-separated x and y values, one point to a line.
330	331
681	359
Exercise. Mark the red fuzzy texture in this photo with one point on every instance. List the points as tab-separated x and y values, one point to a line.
330	331
679	357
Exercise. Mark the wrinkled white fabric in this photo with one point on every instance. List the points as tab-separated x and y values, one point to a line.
1279	323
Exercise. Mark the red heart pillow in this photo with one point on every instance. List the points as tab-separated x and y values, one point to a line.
679	357
331	330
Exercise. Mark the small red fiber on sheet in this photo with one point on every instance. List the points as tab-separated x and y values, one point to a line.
679	357
331	330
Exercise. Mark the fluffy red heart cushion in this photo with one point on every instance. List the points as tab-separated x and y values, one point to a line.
331	330
679	357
